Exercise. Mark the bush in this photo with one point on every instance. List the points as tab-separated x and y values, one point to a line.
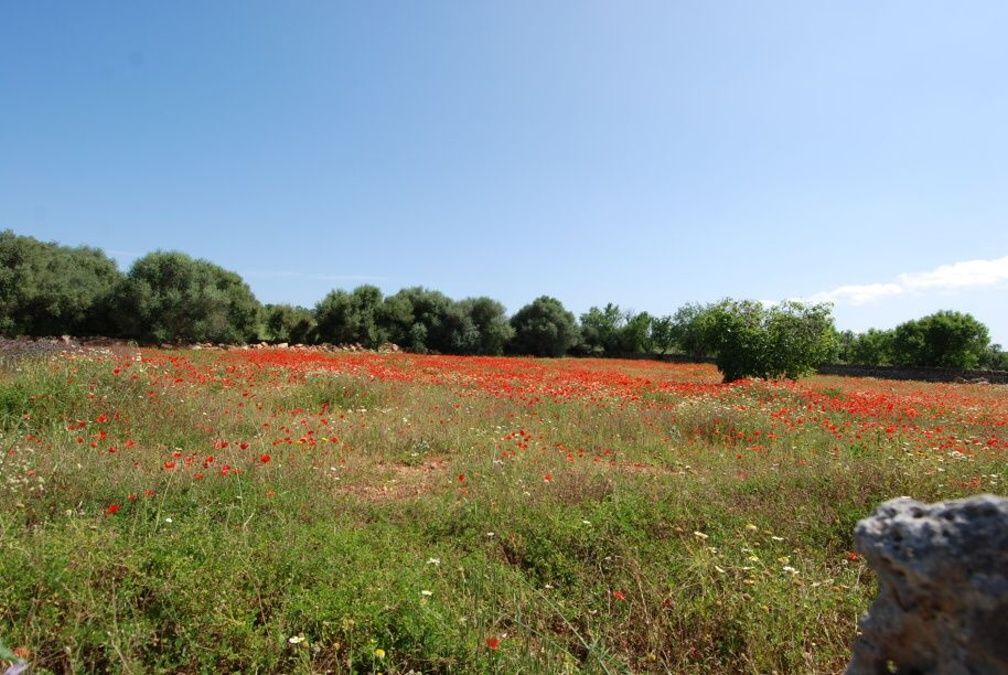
786	340
287	323
543	328
490	328
872	348
351	318
945	339
48	289
171	297
422	320
692	330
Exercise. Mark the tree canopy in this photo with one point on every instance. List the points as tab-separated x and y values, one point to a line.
168	296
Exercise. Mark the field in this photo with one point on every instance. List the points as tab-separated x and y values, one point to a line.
298	511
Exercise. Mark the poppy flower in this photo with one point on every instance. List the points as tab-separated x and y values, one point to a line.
493	642
264	458
112	509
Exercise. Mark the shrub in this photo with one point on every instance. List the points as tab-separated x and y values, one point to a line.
872	348
349	318
422	320
692	330
786	340
287	323
171	297
48	289
543	328
489	323
945	339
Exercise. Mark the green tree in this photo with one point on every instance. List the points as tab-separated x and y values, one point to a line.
872	348
995	358
663	338
488	318
600	330
543	328
288	323
351	318
634	336
691	330
612	331
786	340
945	339
171	297
48	289
423	320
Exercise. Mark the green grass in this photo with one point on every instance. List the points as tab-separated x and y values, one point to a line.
406	539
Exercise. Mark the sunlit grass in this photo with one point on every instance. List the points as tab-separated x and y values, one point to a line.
287	511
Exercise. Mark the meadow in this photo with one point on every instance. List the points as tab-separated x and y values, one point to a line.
288	510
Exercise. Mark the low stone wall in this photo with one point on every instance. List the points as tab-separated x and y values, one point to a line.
910	373
882	372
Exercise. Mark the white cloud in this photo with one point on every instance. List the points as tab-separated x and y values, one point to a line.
955	276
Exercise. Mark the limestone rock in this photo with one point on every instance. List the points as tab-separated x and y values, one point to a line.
943	588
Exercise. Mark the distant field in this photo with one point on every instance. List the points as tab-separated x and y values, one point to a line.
294	511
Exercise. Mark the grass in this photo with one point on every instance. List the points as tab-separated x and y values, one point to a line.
284	511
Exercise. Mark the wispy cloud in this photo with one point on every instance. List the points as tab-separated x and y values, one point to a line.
955	276
314	277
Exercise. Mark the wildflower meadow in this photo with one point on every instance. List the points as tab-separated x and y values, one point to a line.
291	510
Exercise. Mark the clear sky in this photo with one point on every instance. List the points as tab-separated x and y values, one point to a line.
649	154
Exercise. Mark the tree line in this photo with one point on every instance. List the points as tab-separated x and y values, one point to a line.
49	289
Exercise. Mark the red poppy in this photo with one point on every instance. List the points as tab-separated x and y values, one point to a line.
264	458
112	509
243	445
493	642
169	465
548	478
619	595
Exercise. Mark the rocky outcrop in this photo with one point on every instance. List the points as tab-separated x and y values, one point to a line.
942	605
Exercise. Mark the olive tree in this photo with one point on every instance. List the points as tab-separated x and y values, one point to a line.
543	328
171	297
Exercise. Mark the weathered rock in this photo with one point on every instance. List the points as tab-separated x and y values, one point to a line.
943	588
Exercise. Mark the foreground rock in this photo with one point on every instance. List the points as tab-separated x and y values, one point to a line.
943	588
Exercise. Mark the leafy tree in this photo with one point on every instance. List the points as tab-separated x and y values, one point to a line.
287	323
613	331
663	338
945	339
543	328
995	358
635	333
351	318
171	297
872	348
48	289
488	318
600	330
786	340
691	329
423	320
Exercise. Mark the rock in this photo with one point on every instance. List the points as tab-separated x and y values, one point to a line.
942	605
281	345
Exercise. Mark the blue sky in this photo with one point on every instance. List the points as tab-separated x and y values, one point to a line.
649	154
